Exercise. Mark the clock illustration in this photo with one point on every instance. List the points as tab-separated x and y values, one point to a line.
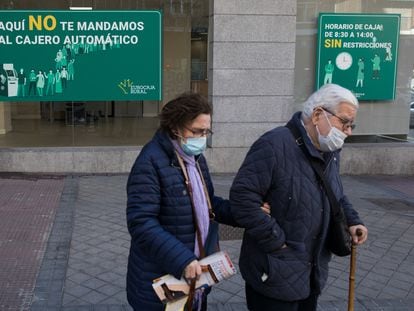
343	61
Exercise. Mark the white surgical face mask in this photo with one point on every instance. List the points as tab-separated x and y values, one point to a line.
333	141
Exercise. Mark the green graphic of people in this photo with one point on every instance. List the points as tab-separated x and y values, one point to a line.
388	54
64	77
81	48
71	70
376	67
21	77
32	82
63	62
58	59
58	82
360	74
86	48
40	83
75	48
69	52
64	51
329	68
50	83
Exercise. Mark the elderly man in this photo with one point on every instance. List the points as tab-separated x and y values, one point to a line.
284	258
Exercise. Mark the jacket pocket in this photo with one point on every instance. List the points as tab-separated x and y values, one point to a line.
288	268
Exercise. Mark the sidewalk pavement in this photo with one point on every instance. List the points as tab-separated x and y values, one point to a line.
73	231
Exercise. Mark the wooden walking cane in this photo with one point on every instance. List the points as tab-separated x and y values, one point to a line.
351	293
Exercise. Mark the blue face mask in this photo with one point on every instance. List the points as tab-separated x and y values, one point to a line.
194	145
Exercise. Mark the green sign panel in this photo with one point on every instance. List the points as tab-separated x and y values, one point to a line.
359	52
80	55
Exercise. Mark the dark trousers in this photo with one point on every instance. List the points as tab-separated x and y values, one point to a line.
258	302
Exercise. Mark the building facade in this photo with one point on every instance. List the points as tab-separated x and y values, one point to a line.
255	60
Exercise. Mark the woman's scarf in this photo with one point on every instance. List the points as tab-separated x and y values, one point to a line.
199	196
200	206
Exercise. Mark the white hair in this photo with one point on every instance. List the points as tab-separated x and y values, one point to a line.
329	96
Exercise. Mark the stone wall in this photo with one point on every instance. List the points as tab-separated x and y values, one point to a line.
356	159
251	72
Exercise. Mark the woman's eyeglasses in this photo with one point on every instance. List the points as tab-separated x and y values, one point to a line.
200	132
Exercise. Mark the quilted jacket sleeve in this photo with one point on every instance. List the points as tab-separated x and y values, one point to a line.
220	206
248	192
350	213
143	208
222	211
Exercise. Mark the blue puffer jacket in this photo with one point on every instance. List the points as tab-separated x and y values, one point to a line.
160	221
277	171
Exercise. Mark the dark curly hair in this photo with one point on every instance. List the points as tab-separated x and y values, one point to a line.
182	110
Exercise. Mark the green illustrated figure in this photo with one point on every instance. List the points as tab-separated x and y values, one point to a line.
68	52
21	76
360	74
63	62
329	68
58	59
32	82
81	48
58	82
71	70
388	54
75	48
376	67
64	51
86	48
64	77
50	78
40	83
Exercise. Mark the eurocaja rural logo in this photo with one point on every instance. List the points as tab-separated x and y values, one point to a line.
128	87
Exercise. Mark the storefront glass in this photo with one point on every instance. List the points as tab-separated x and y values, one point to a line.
113	123
375	118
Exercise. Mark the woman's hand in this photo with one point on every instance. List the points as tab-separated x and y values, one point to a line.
266	208
192	271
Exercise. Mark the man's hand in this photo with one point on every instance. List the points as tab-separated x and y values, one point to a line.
359	234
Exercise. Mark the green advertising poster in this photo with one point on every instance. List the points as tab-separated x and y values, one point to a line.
80	55
359	52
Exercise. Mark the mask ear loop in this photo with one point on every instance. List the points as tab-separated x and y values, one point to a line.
317	129
182	138
327	119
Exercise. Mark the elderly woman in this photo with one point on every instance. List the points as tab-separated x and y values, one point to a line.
171	203
284	258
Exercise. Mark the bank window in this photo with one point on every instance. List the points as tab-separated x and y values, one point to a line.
112	123
377	120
